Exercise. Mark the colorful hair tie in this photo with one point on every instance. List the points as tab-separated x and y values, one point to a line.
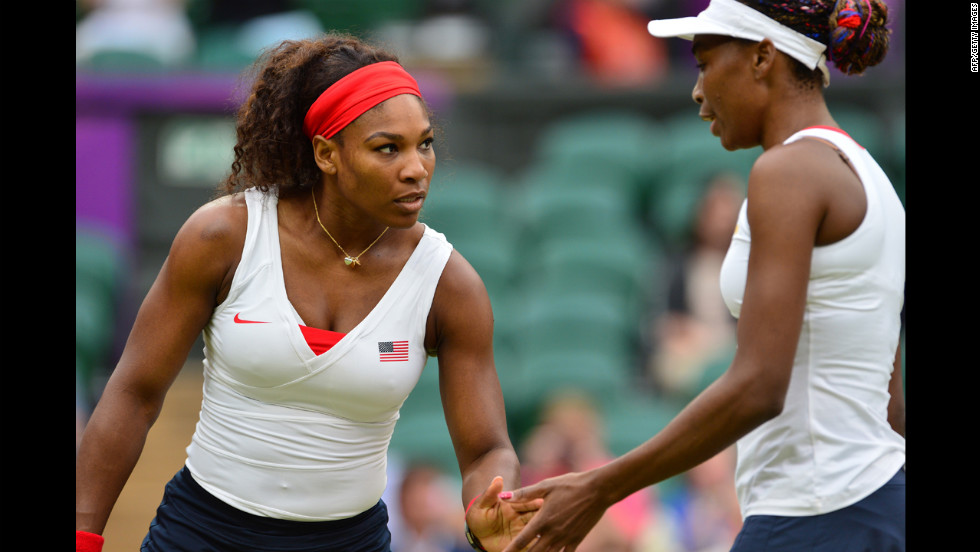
354	94
851	17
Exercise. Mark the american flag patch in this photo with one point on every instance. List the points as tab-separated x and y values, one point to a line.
393	351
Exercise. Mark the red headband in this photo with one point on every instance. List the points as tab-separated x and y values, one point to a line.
348	98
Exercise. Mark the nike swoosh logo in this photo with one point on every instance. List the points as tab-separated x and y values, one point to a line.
239	320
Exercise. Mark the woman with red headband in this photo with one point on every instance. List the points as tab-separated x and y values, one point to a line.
320	297
815	275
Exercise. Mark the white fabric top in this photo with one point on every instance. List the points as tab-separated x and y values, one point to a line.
285	433
832	445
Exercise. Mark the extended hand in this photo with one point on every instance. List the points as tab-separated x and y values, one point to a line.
495	522
571	509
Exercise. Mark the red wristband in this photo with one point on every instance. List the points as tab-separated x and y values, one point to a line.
88	542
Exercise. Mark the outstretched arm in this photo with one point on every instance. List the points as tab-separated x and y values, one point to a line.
784	218
170	319
460	330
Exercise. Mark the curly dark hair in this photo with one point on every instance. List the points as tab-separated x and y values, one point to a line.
853	30
271	151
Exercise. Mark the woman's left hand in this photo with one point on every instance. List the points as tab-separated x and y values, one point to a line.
495	522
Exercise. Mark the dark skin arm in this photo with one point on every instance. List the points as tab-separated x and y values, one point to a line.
787	220
171	317
462	321
896	388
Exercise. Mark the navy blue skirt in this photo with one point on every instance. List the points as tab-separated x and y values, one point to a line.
875	524
190	519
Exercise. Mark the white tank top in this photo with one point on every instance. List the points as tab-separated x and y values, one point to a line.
832	445
286	433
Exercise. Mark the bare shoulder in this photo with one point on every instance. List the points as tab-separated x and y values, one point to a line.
787	187
209	243
459	281
220	219
815	180
800	161
220	223
461	306
808	161
805	168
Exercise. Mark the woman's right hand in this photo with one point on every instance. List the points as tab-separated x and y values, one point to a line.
570	509
496	522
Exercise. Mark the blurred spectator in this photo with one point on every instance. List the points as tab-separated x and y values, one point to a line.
569	437
449	41
158	30
451	30
612	42
697	328
706	511
232	33
430	515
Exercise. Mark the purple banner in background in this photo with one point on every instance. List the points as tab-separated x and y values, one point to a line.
106	134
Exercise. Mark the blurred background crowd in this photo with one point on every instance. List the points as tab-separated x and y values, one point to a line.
573	173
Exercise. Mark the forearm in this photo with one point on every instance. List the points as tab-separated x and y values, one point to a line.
713	421
110	448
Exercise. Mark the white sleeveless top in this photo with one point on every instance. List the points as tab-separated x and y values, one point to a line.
285	433
832	445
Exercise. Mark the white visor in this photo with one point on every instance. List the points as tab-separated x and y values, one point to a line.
731	18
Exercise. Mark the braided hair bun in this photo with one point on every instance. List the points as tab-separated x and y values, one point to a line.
853	30
858	36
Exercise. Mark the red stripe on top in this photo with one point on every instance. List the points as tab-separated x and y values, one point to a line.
319	340
835	129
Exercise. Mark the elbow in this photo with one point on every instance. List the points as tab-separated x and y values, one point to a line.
761	399
760	407
771	407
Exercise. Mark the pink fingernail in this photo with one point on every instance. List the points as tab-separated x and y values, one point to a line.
506	495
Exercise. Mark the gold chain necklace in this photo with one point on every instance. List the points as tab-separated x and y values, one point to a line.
348	260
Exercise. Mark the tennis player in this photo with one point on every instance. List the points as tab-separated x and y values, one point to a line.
815	274
320	297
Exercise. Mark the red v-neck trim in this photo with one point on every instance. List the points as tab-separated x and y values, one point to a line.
319	340
835	129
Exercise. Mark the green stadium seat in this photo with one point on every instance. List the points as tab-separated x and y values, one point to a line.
572	202
867	129
562	321
95	319
618	270
633	419
218	49
99	276
359	17
495	258
692	159
896	164
466	200
98	259
608	138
